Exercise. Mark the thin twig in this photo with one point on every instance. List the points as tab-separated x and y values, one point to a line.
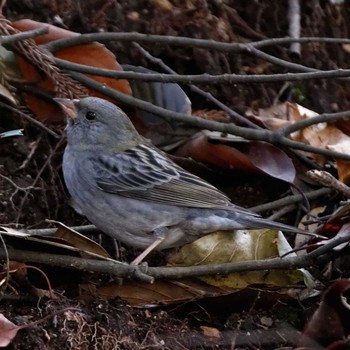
47	162
113	268
32	120
295	67
287	263
236	116
248	134
18	188
303	40
180	41
322	118
201	78
118	269
327	179
12	38
248	48
282	212
296	198
84	229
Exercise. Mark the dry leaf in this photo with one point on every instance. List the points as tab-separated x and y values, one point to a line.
235	246
160	292
226	152
210	332
318	135
281	115
79	241
93	54
50	243
212	114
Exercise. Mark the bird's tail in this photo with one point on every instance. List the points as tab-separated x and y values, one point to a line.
255	222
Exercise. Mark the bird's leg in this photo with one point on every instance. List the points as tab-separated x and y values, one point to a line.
140	258
159	233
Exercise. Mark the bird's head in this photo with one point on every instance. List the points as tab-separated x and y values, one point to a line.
94	123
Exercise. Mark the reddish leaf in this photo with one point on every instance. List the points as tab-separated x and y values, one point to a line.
222	156
8	331
338	223
246	156
94	54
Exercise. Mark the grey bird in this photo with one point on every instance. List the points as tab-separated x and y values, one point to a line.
132	191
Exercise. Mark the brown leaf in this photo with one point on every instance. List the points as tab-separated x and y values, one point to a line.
80	241
318	135
160	292
260	68
210	332
212	114
239	155
55	244
342	144
94	54
280	115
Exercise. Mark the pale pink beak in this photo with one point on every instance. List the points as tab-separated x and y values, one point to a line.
68	106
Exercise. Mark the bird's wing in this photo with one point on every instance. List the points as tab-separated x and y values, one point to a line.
145	174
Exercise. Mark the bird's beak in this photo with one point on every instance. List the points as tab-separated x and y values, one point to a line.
68	106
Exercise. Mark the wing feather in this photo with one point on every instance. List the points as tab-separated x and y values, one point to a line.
145	174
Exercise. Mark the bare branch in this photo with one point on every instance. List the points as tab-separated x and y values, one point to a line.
322	118
290	200
111	267
181	41
327	179
236	116
118	269
201	78
249	134
12	38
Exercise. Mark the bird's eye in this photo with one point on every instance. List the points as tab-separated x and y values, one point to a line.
90	115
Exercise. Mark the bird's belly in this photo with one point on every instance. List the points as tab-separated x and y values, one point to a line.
128	220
